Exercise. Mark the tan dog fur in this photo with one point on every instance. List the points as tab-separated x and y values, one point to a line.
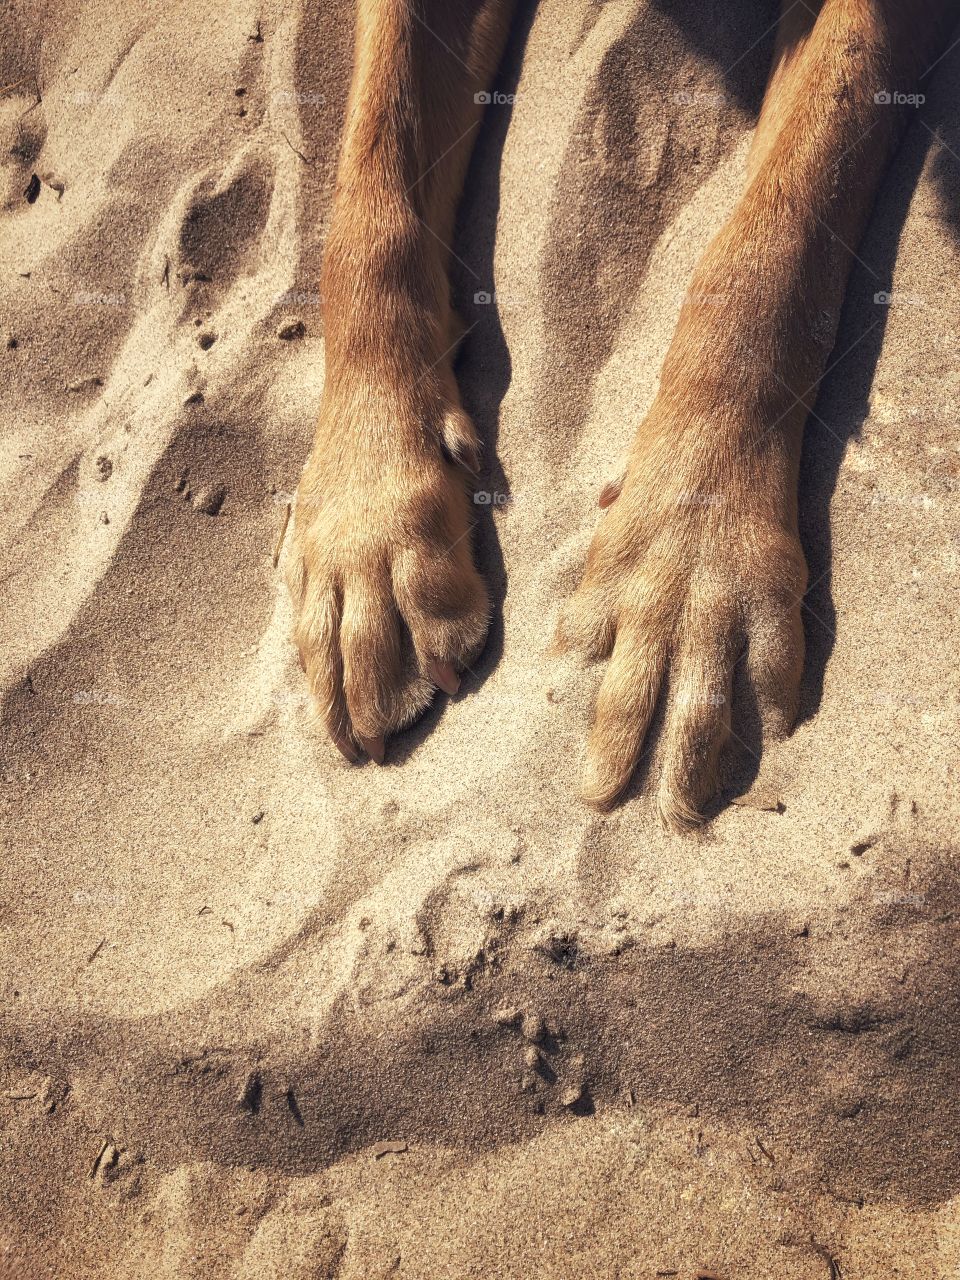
698	556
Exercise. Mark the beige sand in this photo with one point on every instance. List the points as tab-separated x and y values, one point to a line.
233	965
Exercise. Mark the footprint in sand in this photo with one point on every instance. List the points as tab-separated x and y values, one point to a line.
219	237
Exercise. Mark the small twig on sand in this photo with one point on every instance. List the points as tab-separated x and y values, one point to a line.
100	1154
381	1149
283	533
96	950
764	1150
294	1107
823	1252
294	149
9	88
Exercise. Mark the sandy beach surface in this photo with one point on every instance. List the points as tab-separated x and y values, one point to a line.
263	1014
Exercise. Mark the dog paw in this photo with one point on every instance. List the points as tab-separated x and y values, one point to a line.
696	558
388	602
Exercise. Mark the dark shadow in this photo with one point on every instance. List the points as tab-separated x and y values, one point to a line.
484	368
629	220
837	1041
738	42
737	37
941	89
666	106
483	365
842	404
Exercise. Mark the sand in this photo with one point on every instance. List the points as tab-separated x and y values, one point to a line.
265	1014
